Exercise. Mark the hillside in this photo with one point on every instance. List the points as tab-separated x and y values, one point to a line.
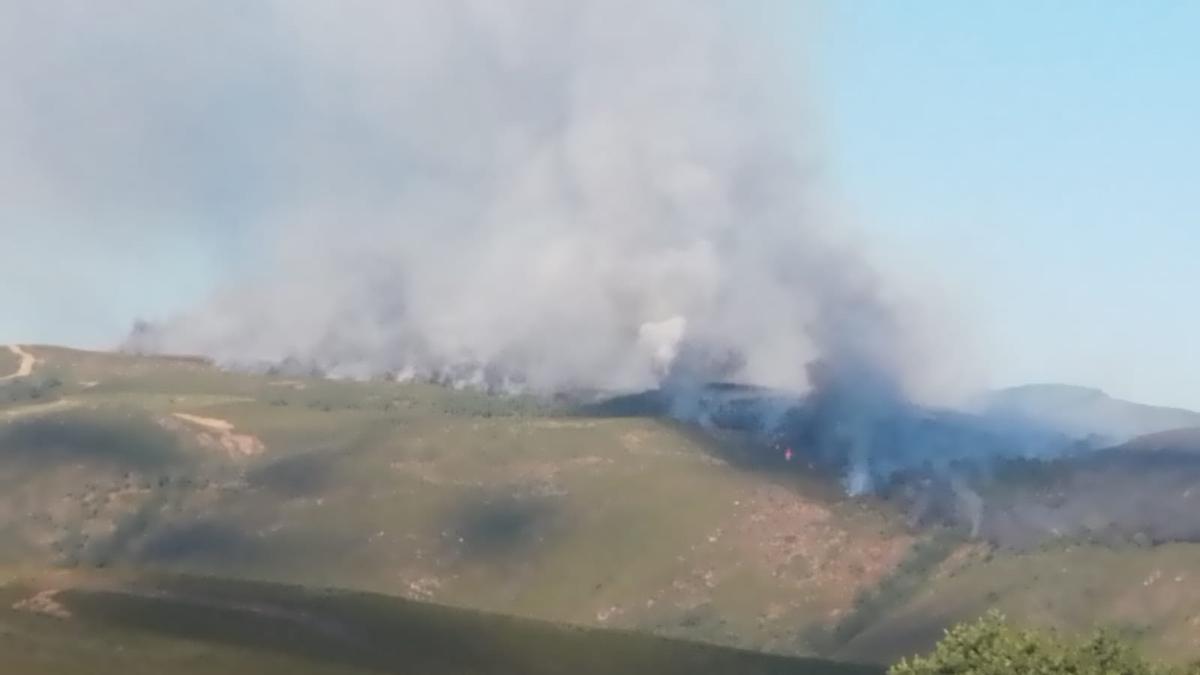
72	623
500	504
1082	412
524	508
1145	593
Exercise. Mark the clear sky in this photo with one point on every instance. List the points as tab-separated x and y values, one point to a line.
1037	160
1041	161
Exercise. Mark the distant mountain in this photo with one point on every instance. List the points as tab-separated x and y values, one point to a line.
1082	412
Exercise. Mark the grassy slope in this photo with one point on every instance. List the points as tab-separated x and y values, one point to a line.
418	491
501	505
198	626
1148	594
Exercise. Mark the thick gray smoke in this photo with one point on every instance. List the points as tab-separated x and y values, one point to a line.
520	194
550	196
511	194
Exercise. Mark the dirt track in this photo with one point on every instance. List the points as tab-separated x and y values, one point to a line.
220	434
25	368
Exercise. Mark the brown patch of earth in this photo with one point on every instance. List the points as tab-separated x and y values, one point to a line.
219	434
804	545
44	602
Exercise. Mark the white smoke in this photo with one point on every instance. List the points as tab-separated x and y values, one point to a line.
511	193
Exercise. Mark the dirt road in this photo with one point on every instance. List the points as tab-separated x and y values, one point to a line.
25	368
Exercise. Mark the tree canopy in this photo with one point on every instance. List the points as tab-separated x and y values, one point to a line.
992	646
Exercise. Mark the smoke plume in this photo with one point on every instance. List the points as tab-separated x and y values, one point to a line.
599	195
594	195
546	196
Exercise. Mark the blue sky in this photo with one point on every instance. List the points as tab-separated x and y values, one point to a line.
1039	160
1035	160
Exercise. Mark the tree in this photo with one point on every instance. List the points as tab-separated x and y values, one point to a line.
991	646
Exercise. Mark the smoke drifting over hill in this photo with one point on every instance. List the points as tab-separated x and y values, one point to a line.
595	195
511	194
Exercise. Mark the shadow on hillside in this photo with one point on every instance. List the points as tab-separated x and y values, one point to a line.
903	637
199	542
387	635
293	476
498	525
123	439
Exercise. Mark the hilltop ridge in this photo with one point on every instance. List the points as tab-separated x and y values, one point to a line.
1083	411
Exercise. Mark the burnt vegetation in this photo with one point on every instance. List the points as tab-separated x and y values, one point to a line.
1010	482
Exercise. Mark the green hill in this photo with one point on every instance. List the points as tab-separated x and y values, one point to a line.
500	504
521	508
201	625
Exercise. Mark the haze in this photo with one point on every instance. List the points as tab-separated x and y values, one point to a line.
1049	221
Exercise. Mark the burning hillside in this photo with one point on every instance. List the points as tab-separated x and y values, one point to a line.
609	196
1016	485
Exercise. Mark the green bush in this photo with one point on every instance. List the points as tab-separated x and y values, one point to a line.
990	646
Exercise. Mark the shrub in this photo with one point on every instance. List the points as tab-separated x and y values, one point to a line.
990	646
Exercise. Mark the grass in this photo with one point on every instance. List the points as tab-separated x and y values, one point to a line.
900	586
506	504
1146	594
194	625
518	507
8	361
116	435
39	389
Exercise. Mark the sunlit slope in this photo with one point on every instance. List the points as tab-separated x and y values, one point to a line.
1149	595
86	623
518	507
492	503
